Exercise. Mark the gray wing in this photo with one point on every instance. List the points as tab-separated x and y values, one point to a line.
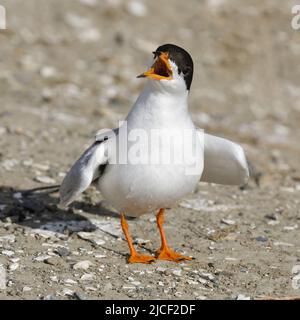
224	162
83	172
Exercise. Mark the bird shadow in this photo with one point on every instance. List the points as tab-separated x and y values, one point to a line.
36	209
39	210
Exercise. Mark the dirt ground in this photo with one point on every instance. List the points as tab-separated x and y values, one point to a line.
68	69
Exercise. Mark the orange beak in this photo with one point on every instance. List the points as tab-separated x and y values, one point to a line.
160	70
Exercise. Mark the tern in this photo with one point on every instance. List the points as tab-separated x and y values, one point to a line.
157	156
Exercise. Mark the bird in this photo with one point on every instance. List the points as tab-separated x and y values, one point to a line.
138	176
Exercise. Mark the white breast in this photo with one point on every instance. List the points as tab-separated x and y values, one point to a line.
146	183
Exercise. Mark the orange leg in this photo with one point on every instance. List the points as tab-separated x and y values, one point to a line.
134	256
165	253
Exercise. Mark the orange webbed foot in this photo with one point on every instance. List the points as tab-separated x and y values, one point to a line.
140	258
170	255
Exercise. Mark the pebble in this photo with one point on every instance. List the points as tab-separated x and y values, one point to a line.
90	3
231	259
18	195
13	266
137	8
67	292
8	238
42	167
54	278
136	283
242	297
45	179
141	241
84	265
62	251
48	72
290	228
177	272
92	237
273	222
2	278
261	238
228	222
207	276
70	281
89	35
26	289
178	294
87	277
9	164
284	244
108	286
54	261
41	258
80	296
8	253
91	288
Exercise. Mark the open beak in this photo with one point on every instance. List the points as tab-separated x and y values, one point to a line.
160	70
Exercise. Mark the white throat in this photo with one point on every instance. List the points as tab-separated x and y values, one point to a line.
158	106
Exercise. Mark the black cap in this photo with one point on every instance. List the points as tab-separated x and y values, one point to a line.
182	59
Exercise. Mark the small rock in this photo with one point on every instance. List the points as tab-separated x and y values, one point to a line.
284	244
8	253
48	72
84	265
261	238
108	286
13	266
42	258
89	35
26	289
42	167
2	278
290	228
18	195
80	296
178	294
8	238
141	241
54	278
70	281
62	251
242	297
228	222
54	261
136	283
68	292
92	237
177	272
91	288
207	276
137	8
45	179
271	216
50	297
91	3
87	277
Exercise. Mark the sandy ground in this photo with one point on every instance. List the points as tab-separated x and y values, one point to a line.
68	69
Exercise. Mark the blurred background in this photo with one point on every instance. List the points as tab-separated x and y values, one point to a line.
68	68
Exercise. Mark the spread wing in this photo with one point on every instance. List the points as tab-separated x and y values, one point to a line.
224	162
83	172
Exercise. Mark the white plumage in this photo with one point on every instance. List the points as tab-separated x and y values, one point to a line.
137	188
